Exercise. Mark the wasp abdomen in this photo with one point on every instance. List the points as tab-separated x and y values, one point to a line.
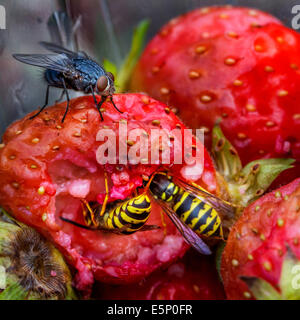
130	216
198	215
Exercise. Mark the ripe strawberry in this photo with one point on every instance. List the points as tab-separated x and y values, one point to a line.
218	64
46	168
263	248
192	278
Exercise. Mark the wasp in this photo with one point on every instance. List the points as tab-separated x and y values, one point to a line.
193	210
124	218
67	69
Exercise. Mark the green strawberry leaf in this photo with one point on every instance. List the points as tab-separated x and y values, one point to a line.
130	61
261	289
110	67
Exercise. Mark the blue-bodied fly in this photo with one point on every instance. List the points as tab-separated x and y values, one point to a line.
67	69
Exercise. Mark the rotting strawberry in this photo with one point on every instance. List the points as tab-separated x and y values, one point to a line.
46	168
262	254
193	277
238	65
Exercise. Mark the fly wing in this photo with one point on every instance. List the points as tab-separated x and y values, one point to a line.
189	235
57	62
224	207
59	49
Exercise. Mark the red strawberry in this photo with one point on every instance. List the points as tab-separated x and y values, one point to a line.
262	251
192	278
46	167
216	64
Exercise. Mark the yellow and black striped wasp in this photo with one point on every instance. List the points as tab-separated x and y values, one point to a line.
122	217
193	210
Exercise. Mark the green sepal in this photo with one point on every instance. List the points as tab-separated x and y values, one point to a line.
225	155
255	178
218	258
290	276
261	289
244	185
289	282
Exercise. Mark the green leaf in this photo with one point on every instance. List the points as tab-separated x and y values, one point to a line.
261	289
13	292
110	67
130	61
226	157
290	276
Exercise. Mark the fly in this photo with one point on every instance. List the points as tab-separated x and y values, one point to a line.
67	69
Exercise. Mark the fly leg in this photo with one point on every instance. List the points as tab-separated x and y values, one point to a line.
44	106
112	101
96	103
68	100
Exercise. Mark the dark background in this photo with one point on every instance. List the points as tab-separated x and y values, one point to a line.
107	27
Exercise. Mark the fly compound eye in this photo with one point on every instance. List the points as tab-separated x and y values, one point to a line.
102	83
111	76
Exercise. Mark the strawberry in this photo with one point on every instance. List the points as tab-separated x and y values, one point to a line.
46	168
193	277
232	64
262	254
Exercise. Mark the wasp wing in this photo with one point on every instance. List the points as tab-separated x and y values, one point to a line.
57	62
222	206
188	234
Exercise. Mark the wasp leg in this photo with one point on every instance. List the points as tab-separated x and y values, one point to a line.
96	103
163	222
44	106
89	219
106	195
112	101
68	100
61	96
149	227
